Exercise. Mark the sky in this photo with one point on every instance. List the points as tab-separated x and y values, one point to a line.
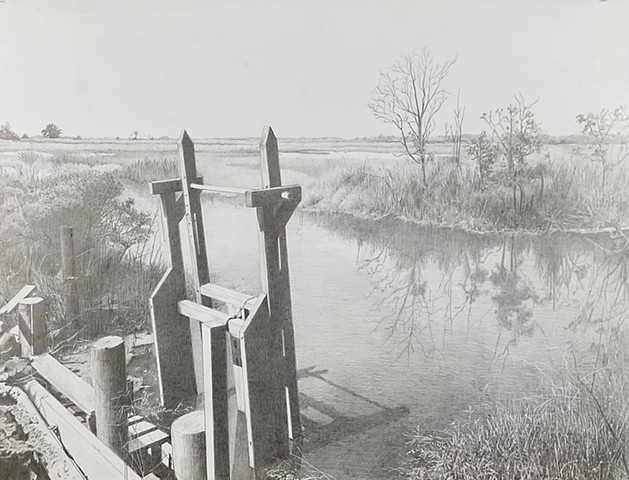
306	67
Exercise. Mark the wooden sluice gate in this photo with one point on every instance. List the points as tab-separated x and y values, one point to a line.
250	350
239	362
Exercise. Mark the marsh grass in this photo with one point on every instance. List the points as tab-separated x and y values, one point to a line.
146	170
576	428
561	197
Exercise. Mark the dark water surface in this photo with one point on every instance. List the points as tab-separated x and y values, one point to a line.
399	325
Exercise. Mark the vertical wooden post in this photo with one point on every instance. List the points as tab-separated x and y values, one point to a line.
196	236
68	271
276	284
187	435
109	379
33	330
209	344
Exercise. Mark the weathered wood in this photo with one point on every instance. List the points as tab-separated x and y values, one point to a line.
71	469
230	297
66	382
205	315
147	441
264	396
159	187
33	330
109	379
69	274
12	304
189	449
273	196
276	284
93	457
200	272
216	401
241	469
219	190
140	428
171	334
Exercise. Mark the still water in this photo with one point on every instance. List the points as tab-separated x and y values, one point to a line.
399	325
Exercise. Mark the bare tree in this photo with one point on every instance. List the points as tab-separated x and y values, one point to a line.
409	96
454	133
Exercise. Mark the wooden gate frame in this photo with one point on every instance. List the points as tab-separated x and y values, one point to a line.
194	360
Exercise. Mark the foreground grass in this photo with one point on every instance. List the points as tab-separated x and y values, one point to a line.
564	197
576	429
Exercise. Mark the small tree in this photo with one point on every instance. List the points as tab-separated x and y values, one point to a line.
135	135
484	152
409	96
6	133
51	131
517	135
454	133
601	128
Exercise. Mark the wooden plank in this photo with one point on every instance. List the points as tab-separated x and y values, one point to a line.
140	428
151	439
231	297
200	273
216	401
171	333
263	397
276	283
134	419
173	185
66	382
273	196
219	190
205	315
70	468
92	456
12	304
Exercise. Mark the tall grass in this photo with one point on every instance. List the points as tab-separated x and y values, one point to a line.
149	169
573	429
555	198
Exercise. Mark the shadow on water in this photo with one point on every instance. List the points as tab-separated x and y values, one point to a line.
323	420
428	280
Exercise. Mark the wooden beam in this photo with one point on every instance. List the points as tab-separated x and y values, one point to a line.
69	274
216	407
276	284
205	315
261	402
273	196
66	382
171	336
230	297
173	185
12	304
96	460
199	268
219	190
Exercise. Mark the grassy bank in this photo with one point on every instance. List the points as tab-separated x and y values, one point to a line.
561	197
572	428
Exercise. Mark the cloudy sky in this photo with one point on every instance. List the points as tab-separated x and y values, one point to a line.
226	68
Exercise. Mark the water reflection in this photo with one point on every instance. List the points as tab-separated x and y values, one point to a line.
429	281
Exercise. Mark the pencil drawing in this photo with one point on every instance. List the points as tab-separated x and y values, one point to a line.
314	240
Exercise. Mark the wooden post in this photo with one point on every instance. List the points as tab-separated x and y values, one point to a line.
188	441
210	347
68	271
32	329
276	284
109	379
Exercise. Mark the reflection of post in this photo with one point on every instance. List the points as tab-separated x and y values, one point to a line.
33	326
109	379
68	270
